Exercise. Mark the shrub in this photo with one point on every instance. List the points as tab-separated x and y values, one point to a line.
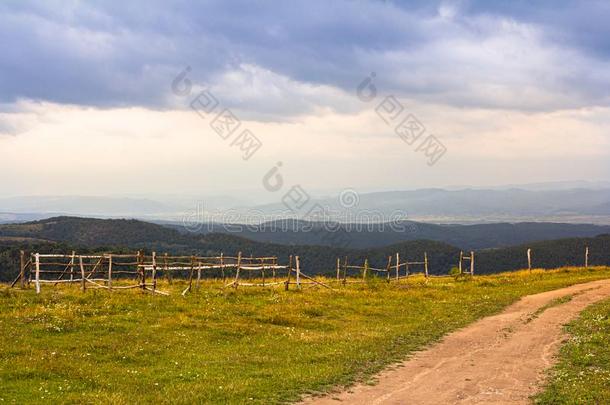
454	272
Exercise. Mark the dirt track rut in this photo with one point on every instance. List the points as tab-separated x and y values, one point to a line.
498	359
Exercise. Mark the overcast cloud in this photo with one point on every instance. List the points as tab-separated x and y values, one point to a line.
464	53
540	71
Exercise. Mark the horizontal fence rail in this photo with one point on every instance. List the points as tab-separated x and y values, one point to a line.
121	271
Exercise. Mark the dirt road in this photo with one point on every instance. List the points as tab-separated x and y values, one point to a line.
499	359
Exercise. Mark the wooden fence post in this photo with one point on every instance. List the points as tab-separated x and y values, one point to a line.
236	282
587	257
140	270
298	272
37	279
461	260
222	267
397	265
472	263
22	268
83	282
426	264
143	267
198	273
529	259
110	272
365	269
289	273
154	271
189	287
338	268
249	273
191	271
345	271
72	266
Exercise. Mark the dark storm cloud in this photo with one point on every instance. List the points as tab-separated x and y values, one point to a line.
109	54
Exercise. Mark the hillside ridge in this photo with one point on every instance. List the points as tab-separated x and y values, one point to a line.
67	233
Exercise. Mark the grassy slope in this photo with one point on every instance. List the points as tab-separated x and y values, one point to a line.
582	375
252	345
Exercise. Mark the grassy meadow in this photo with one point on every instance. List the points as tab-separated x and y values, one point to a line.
582	375
249	345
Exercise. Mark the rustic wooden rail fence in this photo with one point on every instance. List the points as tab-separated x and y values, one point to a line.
139	270
392	271
470	259
142	271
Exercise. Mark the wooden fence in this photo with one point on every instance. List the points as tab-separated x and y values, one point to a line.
470	269
142	271
139	270
392	272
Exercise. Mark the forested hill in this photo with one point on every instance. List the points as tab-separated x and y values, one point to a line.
67	233
112	234
476	236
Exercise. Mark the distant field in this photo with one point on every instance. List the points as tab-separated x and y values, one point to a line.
226	346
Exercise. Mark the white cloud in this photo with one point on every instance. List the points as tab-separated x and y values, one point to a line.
261	94
491	62
107	55
75	150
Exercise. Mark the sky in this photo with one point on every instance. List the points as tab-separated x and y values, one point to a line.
132	98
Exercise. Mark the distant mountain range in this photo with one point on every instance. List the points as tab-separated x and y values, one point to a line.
472	205
83	205
477	236
531	203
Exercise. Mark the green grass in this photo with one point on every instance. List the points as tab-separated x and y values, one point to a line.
582	375
245	346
